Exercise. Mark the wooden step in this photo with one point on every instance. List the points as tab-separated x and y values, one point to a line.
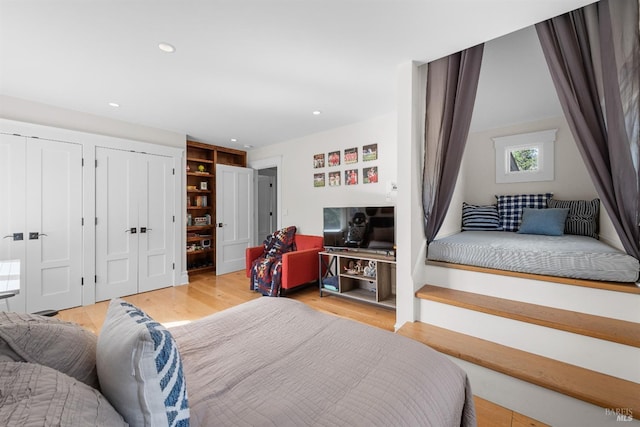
593	387
630	288
619	331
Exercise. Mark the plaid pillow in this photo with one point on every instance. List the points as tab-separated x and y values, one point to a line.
510	208
475	217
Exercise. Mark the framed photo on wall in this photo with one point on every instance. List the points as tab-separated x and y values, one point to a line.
334	179
369	152
318	161
334	158
318	179
351	155
351	177
370	175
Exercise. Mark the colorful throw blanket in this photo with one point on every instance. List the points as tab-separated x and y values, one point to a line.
266	271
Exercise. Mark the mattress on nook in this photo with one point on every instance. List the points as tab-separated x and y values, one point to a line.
577	257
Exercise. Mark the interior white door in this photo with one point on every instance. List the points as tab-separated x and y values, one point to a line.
12	213
234	211
156	222
116	224
54	225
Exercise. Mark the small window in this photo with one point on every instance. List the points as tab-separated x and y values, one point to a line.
525	157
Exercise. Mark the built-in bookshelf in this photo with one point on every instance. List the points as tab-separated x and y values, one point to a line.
201	200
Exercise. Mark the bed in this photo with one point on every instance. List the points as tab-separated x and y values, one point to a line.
572	256
270	361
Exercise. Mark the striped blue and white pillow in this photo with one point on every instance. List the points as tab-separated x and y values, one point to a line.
480	217
583	218
140	369
510	208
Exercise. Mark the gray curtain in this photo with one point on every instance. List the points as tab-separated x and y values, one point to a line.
452	83
593	54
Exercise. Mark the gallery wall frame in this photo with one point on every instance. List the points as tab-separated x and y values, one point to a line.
370	175
351	156
369	152
333	158
351	177
334	179
318	161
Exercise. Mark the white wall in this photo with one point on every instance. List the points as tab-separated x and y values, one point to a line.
410	240
42	114
301	202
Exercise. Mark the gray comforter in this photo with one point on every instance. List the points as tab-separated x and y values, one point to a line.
274	361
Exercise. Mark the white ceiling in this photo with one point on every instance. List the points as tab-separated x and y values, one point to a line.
247	69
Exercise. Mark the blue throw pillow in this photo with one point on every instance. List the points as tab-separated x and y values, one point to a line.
549	222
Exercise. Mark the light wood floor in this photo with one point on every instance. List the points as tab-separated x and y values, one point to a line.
208	294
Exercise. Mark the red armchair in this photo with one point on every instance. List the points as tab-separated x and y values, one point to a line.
298	267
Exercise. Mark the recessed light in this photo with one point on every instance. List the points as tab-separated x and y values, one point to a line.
317	113
114	104
166	47
248	146
234	140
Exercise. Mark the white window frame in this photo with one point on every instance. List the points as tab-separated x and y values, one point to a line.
543	141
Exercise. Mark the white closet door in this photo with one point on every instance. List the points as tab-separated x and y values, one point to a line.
12	212
54	225
117	223
156	222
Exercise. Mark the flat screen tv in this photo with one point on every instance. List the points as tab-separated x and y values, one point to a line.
371	228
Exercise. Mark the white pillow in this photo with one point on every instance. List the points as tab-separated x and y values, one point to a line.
139	368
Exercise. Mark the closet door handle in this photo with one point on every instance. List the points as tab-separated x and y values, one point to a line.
145	229
131	230
14	236
34	235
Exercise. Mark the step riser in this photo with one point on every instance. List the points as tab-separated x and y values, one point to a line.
545	405
598	355
615	305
